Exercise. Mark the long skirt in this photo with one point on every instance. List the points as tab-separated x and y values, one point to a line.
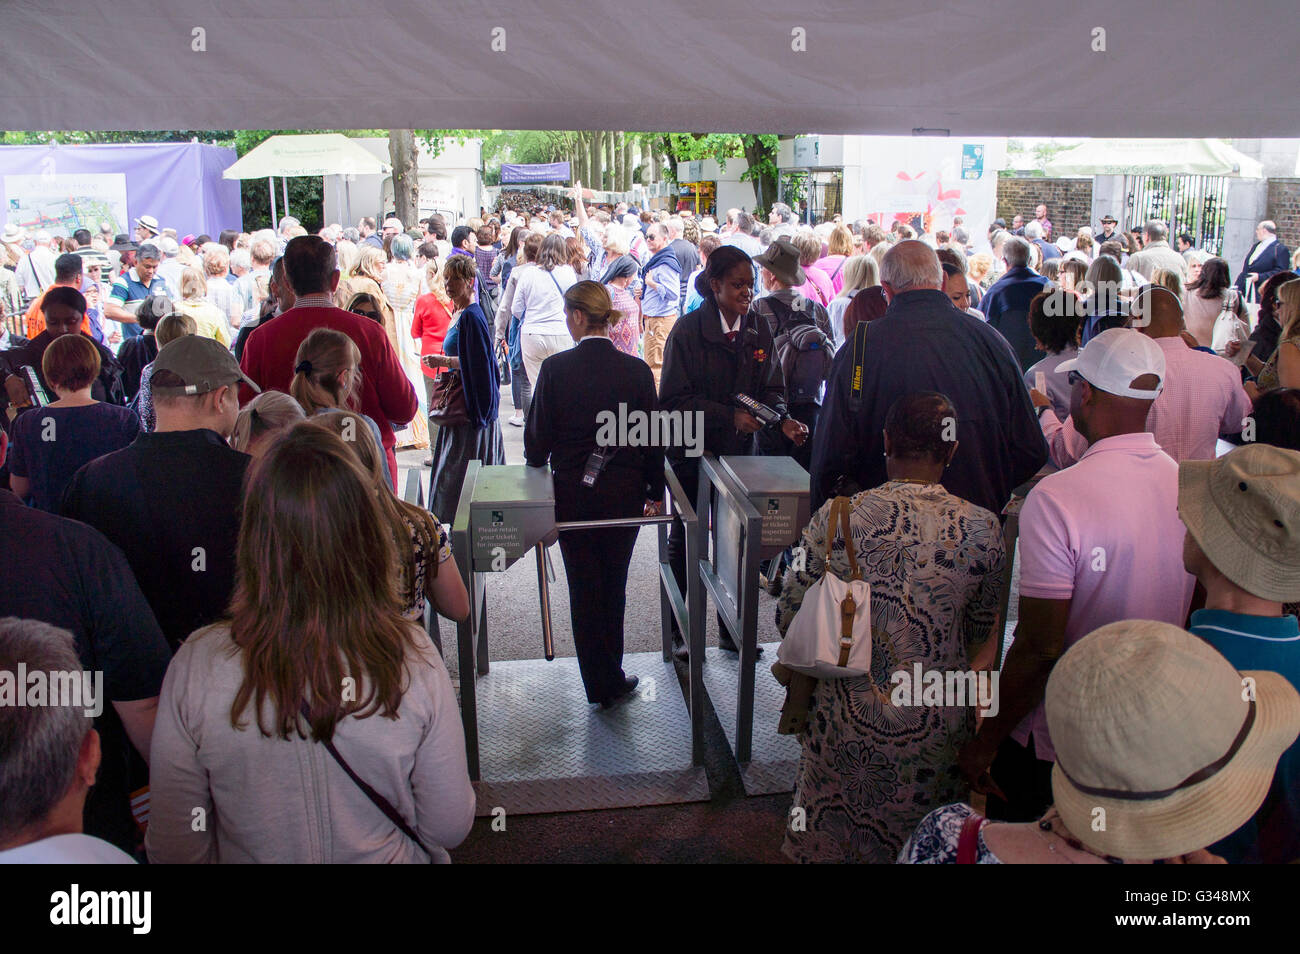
455	448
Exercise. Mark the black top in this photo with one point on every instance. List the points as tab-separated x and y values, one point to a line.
703	371
134	354
923	343
51	444
172	502
66	574
107	387
565	422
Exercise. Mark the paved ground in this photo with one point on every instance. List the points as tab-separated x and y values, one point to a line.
730	828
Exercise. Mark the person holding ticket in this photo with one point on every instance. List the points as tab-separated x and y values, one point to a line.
599	474
720	364
133	287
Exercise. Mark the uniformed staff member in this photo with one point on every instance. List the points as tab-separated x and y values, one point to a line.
594	482
714	354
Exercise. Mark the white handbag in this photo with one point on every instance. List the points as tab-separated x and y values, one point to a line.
1229	326
830	635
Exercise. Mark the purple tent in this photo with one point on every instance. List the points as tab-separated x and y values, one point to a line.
179	184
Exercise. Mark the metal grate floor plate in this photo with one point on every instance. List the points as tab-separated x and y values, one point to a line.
775	762
544	748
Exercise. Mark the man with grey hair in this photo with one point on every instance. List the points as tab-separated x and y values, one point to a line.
1265	259
923	343
49	757
1034	233
1156	253
1006	304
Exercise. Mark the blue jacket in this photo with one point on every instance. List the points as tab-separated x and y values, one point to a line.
1007	308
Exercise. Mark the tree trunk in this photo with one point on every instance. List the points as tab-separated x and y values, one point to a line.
620	163
406	175
764	185
625	175
597	170
647	164
611	160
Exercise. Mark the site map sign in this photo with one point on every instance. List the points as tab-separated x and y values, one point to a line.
62	204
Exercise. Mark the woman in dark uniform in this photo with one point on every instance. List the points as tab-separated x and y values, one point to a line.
718	351
565	426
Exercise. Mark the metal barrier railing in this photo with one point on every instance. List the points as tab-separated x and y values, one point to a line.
687	610
736	611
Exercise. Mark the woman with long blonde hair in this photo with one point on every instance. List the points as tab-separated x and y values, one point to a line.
304	678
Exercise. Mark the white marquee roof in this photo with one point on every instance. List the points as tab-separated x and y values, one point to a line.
1005	67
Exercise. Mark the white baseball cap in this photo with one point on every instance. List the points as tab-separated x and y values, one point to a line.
1114	359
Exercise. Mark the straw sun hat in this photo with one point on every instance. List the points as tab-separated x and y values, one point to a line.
1157	730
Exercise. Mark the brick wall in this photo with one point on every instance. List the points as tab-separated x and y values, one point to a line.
1068	201
1284	209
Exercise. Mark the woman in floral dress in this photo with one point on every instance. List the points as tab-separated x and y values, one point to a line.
870	770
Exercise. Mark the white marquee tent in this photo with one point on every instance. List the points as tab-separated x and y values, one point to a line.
1109	68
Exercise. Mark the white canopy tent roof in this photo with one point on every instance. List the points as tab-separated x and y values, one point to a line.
309	154
1147	157
1017	67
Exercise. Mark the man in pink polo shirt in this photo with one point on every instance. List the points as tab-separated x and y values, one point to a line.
1100	542
1201	397
311	268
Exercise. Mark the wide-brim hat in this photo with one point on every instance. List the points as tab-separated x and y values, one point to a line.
1243	511
123	243
781	258
1162	747
148	222
13	234
1109	218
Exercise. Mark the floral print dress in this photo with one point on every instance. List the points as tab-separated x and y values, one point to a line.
869	770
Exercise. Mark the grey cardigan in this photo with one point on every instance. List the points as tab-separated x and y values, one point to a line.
270	800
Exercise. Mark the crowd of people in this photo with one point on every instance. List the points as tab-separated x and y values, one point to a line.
193	423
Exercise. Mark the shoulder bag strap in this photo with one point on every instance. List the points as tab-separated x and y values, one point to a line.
849	606
378	800
859	361
968	843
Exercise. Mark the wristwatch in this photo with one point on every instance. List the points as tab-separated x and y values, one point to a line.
1041	408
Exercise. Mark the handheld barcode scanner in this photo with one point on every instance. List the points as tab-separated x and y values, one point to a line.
761	411
35	390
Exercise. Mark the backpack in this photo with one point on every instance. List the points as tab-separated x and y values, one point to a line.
805	355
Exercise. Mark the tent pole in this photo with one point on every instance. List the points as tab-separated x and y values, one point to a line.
347	191
270	185
284	181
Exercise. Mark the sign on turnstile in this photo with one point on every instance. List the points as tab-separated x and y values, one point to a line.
778	489
512	509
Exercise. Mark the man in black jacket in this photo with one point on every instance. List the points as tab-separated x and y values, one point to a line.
1266	257
714	353
923	343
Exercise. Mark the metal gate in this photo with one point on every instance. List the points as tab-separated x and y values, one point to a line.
823	188
1195	204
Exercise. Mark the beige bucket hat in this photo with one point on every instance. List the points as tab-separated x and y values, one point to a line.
1243	511
1162	746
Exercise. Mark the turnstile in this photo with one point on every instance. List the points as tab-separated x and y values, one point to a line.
505	511
758	506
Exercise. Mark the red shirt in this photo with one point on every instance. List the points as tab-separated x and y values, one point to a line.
430	325
386	392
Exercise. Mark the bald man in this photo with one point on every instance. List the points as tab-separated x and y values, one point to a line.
1202	398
